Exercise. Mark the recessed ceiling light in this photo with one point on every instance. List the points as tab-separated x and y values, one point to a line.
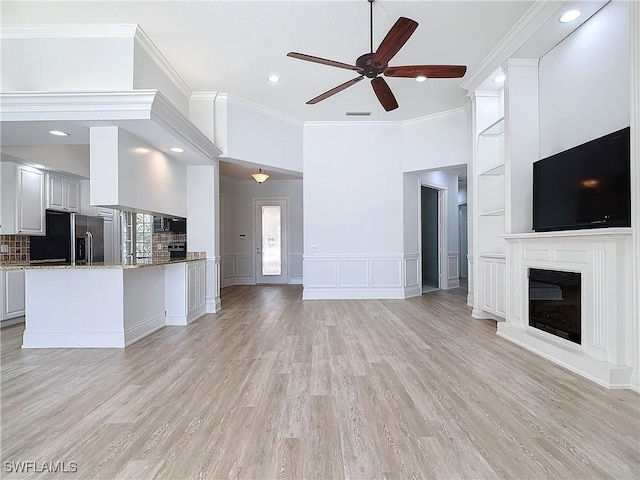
421	78
570	16
499	79
58	133
273	78
141	150
177	149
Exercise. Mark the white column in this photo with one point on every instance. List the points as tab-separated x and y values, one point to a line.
521	141
203	225
635	183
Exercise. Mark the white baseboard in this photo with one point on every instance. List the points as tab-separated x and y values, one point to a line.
72	339
141	330
603	373
214	305
12	321
352	294
296	281
482	315
412	291
175	320
453	283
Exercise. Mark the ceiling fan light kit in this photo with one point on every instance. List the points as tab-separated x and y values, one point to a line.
374	64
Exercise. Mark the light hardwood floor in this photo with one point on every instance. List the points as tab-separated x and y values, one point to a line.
274	387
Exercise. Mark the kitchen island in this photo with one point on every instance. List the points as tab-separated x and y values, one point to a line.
108	306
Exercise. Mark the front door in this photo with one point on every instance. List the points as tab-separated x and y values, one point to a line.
272	231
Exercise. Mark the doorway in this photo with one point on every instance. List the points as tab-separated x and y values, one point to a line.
271	222
429	199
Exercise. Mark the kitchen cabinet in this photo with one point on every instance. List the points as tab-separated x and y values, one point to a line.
184	292
23	200
63	193
12	295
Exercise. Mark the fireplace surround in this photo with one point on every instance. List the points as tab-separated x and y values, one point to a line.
602	258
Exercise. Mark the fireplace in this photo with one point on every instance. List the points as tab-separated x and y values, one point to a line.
554	303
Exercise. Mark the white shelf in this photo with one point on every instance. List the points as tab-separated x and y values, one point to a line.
496	170
493	213
495	129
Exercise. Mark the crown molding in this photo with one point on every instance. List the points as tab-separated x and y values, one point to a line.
484	93
520	62
116	30
232	99
437	116
198	96
349	123
156	56
529	23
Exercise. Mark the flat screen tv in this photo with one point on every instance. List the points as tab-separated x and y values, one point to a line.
588	186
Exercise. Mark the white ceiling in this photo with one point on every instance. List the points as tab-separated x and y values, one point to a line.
233	46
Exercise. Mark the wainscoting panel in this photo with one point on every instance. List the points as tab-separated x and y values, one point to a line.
386	273
353	273
411	276
453	269
244	266
229	266
354	276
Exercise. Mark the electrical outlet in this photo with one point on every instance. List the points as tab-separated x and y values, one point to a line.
314	248
4	248
159	246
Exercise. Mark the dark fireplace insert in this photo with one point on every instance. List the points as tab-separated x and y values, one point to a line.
554	303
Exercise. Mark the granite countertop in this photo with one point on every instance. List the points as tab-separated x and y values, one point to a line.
61	265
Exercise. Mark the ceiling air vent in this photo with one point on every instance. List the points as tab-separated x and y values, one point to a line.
357	114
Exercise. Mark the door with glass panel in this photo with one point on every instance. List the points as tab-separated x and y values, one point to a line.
271	246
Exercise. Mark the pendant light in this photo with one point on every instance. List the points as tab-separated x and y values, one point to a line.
260	177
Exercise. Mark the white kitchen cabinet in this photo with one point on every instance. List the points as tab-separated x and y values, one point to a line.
184	292
493	285
23	200
63	193
12	294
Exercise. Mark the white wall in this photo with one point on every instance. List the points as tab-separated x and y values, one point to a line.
68	159
121	178
257	135
584	82
238	259
57	63
147	74
437	141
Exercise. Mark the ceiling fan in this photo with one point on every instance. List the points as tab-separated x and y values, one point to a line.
373	64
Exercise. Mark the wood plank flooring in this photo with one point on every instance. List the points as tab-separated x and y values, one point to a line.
274	387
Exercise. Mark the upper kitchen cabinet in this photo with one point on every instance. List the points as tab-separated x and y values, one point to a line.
23	200
63	193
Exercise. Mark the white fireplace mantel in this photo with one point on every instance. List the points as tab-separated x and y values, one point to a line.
603	257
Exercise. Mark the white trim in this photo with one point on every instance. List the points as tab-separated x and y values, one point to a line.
438	116
72	339
352	293
141	330
162	63
260	108
520	62
528	24
115	30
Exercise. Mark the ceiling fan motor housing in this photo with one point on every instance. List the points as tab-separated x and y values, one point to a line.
365	62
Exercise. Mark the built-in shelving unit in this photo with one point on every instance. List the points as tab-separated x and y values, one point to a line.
491	189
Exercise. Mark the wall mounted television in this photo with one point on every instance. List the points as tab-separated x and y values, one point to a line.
588	186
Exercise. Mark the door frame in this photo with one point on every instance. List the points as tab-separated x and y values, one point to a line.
443	254
285	231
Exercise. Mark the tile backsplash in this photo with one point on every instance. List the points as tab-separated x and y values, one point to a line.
14	248
164	239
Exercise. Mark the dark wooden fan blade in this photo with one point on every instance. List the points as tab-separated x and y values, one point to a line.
334	90
384	94
429	71
393	42
323	61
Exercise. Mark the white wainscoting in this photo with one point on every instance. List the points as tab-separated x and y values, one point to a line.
412	275
239	269
359	276
213	285
453	269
